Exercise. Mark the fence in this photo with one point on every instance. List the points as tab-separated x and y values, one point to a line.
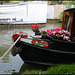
54	11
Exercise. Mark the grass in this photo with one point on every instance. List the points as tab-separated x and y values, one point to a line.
59	69
1	2
32	72
62	69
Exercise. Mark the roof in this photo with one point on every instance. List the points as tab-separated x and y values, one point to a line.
72	10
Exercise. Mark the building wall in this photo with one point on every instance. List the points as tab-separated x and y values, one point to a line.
32	12
58	9
54	11
27	12
50	12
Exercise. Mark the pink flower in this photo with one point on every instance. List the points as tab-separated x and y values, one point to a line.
51	29
58	35
49	33
58	29
69	40
66	38
54	29
53	34
63	34
68	32
60	32
43	29
63	30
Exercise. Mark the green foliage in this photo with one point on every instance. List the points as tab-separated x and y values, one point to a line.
62	69
43	32
1	2
59	69
69	2
33	72
53	2
61	16
13	1
36	30
28	72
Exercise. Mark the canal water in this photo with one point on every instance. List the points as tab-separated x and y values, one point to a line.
10	64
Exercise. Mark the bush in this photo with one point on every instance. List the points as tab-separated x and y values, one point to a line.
61	17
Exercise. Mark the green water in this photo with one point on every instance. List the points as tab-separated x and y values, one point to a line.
10	64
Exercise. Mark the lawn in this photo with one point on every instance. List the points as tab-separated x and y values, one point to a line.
59	69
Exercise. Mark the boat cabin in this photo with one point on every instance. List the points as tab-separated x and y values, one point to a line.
68	22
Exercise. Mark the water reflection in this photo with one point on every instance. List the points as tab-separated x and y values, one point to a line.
53	25
31	66
11	64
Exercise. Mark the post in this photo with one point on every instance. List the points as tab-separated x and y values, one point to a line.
10	47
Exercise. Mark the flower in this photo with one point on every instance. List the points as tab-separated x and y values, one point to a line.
35	27
50	33
66	38
58	29
47	30
43	31
59	33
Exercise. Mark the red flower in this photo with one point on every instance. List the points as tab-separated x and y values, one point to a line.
48	30
32	26
35	27
20	32
35	24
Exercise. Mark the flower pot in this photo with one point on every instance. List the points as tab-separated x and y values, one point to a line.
37	33
44	36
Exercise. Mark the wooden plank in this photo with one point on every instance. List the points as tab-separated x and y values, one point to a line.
63	20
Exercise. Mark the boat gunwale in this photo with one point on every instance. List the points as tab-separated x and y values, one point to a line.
49	40
57	40
52	50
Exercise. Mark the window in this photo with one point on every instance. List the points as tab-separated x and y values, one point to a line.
67	22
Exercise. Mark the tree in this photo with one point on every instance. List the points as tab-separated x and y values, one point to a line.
53	2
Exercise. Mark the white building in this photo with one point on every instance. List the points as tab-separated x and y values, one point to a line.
25	12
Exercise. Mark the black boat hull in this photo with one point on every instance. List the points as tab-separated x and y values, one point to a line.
36	54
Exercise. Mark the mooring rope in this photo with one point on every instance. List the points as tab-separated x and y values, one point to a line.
10	48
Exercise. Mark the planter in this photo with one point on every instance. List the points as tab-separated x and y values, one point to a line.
44	36
37	33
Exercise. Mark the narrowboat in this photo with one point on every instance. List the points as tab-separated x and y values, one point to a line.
48	51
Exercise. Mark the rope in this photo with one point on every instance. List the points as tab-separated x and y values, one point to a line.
10	48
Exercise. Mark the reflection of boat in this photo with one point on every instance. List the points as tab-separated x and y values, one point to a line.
26	66
50	50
